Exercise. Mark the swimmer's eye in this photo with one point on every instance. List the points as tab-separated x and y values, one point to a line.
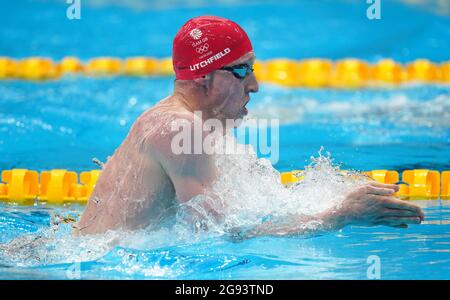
239	71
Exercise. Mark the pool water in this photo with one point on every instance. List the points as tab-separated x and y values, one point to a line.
65	123
340	255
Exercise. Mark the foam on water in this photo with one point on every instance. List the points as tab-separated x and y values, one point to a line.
248	191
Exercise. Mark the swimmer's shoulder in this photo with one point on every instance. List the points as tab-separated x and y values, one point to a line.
156	126
164	113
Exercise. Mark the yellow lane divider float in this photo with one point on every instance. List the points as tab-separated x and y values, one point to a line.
310	73
22	186
415	184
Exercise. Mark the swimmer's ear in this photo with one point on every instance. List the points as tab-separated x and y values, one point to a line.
204	80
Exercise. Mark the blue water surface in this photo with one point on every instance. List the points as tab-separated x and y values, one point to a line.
419	252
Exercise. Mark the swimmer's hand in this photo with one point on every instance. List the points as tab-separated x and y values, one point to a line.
374	204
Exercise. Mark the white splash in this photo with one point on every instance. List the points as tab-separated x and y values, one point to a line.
248	191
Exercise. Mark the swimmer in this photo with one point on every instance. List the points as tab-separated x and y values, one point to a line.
142	183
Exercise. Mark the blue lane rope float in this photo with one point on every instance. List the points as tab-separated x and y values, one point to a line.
59	186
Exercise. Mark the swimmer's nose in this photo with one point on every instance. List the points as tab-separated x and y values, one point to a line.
252	85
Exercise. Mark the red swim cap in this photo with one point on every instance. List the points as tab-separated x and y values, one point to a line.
205	44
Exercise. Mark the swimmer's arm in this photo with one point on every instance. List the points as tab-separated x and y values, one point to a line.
372	204
291	225
190	174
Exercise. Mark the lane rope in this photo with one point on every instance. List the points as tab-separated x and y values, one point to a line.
60	186
310	73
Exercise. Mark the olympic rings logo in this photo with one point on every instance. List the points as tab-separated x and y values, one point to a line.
202	49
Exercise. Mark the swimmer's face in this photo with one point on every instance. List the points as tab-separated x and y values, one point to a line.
230	94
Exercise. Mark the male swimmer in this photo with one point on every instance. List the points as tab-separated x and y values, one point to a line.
144	181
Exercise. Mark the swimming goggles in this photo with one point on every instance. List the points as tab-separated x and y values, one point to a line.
239	71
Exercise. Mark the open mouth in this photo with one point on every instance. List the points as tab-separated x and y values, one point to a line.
244	108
